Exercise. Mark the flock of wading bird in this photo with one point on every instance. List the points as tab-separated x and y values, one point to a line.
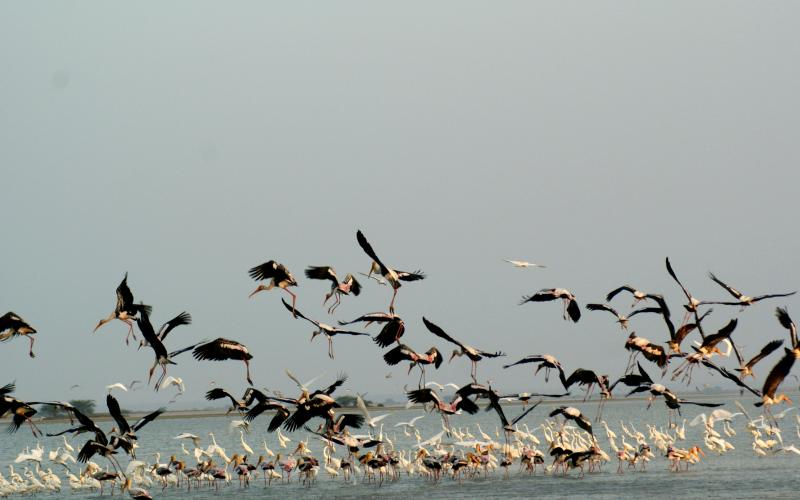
571	447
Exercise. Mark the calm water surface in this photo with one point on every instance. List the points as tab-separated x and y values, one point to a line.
737	474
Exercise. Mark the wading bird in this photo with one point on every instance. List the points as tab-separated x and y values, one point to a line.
125	310
392	276
574	414
338	288
747	368
223	349
12	326
322	329
404	353
277	274
473	354
571	308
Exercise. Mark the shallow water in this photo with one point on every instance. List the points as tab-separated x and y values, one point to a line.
736	474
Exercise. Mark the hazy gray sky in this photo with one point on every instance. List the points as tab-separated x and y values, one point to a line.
185	142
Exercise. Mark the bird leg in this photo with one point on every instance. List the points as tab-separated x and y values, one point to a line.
30	351
130	331
247	368
330	347
391	304
474	371
294	300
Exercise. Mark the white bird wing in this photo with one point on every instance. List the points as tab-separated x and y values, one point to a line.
698	420
435	384
363	407
454	386
413	420
379	418
295	380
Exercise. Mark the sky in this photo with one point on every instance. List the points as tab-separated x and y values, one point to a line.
186	142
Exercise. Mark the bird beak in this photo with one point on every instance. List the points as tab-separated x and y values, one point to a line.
451	357
98	326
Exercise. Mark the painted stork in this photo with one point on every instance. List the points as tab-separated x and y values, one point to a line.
747	368
743	300
322	329
163	358
571	309
574	414
183	318
779	372
223	349
11	325
404	353
277	274
691	305
20	411
338	288
670	398
392	276
125	310
250	394
546	361
622	319
427	395
472	353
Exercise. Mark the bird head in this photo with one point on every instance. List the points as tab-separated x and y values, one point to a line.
455	354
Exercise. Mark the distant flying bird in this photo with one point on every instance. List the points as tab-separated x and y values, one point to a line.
118	385
338	288
423	396
392	276
369	318
622	319
523	263
11	325
223	349
125	309
547	294
691	305
323	329
472	353
176	381
742	299
277	274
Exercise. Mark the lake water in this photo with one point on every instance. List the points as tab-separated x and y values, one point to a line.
736	474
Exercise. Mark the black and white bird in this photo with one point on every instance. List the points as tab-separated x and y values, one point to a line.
323	329
277	274
622	319
392	276
125	309
742	300
571	308
222	350
472	353
11	325
338	288
163	358
574	414
546	361
183	318
637	294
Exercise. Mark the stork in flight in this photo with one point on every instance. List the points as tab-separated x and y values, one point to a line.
571	307
743	300
328	330
12	326
223	349
277	274
392	276
546	361
622	319
472	353
163	358
125	309
338	288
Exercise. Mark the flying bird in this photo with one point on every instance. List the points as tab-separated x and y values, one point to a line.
547	294
323	329
223	349
743	300
546	361
277	274
125	309
392	276
747	368
622	319
338	288
472	353
11	325
163	358
523	263
637	294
